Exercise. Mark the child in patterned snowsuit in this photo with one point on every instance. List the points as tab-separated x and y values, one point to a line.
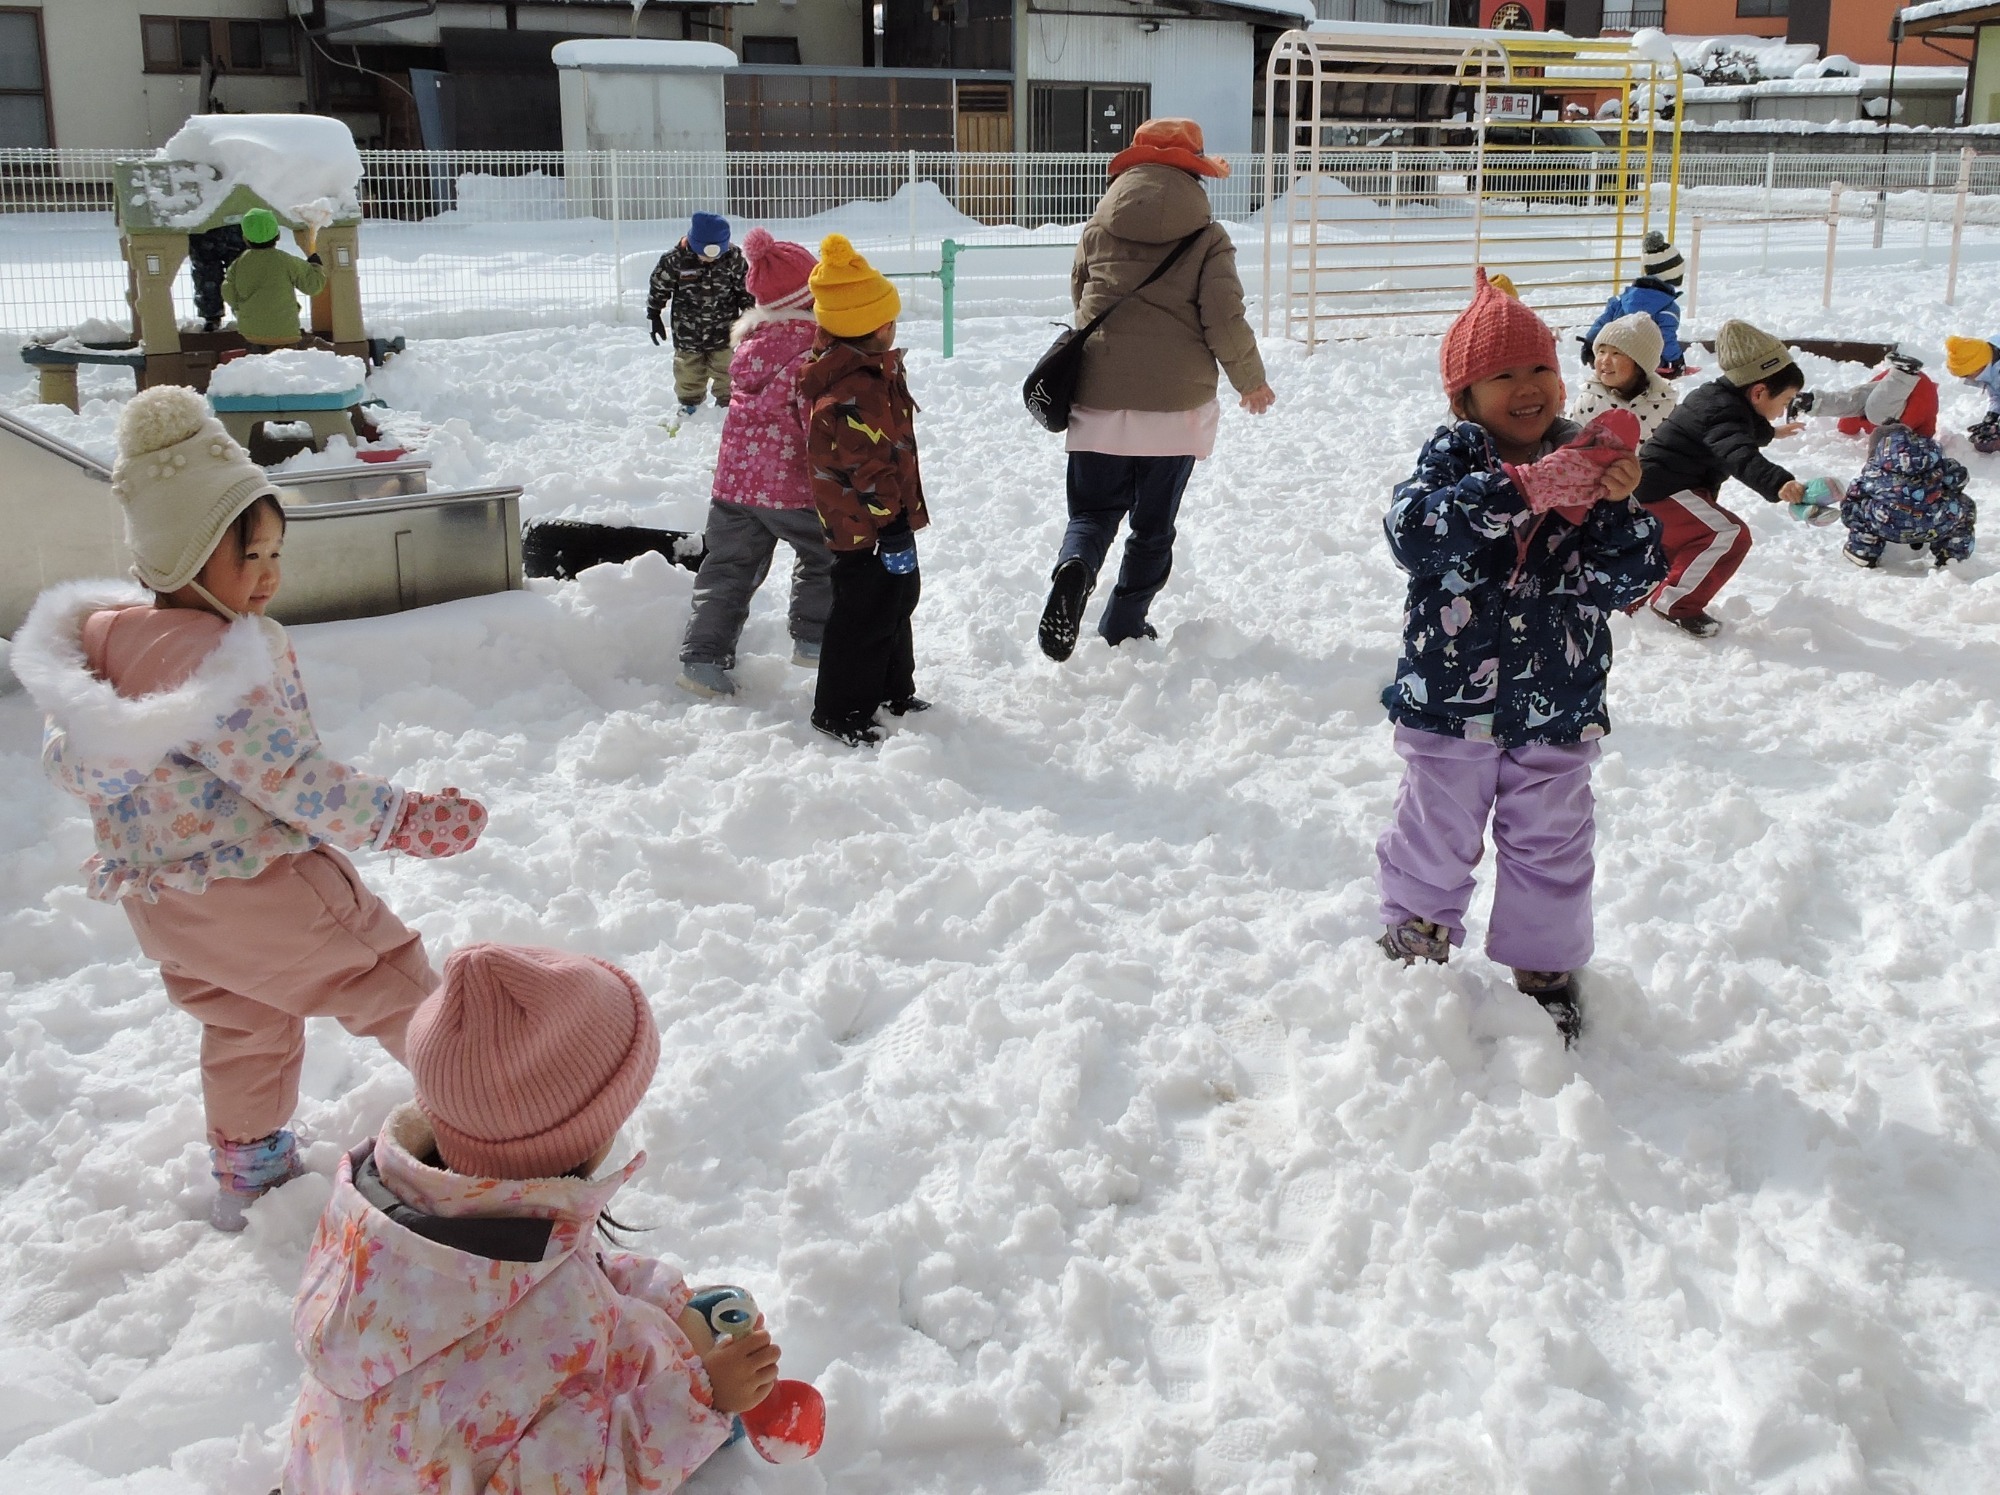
763	487
703	276
1518	554
179	719
1910	493
461	1327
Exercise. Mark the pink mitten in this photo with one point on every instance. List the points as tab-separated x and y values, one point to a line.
438	825
1571	478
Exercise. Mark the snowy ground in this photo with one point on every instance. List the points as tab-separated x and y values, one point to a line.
1036	1071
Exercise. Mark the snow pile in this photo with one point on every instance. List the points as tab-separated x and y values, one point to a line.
639	54
529	197
305	166
290	371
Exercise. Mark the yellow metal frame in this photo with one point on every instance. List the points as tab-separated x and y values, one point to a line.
1341	285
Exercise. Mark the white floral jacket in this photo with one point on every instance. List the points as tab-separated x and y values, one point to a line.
216	777
432	1369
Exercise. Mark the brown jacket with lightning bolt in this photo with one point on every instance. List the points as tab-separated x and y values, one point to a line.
861	442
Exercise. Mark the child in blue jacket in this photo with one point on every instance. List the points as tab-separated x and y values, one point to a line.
1972	359
1656	292
1521	541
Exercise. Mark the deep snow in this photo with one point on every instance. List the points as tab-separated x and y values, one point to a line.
1036	1072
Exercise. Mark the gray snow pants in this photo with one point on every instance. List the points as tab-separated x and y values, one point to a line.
740	540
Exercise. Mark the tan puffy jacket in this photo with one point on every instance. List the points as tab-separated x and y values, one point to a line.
1160	349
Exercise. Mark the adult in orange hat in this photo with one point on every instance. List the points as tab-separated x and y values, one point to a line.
1146	407
1168	142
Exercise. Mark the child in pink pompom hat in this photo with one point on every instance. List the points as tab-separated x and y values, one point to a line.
460	1324
763	490
1521	538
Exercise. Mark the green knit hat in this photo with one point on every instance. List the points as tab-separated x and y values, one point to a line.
260	227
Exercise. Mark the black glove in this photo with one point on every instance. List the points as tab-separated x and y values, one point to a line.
313	258
1802	404
896	544
1589	353
1906	363
1674	368
659	328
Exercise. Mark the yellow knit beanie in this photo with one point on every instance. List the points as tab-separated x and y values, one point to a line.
851	298
1966	356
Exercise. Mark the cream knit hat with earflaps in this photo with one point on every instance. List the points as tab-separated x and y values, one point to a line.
182	480
1637	336
1747	354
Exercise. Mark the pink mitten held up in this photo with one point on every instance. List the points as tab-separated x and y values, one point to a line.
1571	478
438	825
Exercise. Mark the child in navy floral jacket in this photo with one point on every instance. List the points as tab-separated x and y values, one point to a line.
1521	540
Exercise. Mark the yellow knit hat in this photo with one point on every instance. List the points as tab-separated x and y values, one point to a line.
851	298
1966	356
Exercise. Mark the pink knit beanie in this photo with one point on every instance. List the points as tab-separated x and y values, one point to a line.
527	1060
778	270
1496	332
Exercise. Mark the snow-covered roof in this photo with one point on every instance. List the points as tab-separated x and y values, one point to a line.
1300	11
1933	10
1873	79
636	54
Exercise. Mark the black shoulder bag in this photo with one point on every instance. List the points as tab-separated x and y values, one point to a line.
1050	389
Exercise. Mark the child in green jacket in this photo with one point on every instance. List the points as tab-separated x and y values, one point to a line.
262	280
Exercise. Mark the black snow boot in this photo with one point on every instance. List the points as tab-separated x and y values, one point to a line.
855	731
1560	999
1069	590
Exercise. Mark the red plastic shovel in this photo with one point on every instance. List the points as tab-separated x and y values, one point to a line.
789	1424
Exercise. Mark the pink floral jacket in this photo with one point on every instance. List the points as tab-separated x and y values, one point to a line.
216	775
432	1369
762	462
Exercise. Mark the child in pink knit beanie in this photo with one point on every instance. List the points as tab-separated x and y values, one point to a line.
1521	539
460	1326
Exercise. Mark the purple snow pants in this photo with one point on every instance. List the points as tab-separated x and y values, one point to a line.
1543	829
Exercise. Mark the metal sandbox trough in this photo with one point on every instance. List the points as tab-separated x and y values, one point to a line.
360	541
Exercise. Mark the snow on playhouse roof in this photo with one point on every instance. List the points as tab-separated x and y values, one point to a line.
304	165
640	55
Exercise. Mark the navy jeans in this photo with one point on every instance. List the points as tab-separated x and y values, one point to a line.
1105	489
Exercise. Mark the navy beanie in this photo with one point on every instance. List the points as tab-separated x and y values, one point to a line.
709	228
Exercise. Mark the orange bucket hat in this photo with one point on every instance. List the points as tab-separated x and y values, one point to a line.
1168	142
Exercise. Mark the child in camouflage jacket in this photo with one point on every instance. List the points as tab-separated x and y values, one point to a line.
704	277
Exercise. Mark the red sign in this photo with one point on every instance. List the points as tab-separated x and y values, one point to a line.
1515	15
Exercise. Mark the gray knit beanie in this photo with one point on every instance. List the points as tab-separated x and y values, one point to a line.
1748	355
182	480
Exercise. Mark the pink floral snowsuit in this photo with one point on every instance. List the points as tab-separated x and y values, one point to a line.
432	1369
762	495
217	815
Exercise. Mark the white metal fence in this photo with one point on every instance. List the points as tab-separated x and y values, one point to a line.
470	241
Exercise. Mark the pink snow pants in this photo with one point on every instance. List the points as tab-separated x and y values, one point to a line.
1544	827
251	958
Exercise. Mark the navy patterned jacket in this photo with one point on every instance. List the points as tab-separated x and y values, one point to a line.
1505	630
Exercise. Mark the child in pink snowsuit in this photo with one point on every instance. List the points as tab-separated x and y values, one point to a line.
461	1328
1521	539
763	489
179	719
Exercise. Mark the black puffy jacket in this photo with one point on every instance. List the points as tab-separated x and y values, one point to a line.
1715	434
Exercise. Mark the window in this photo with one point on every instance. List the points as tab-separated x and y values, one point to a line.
1098	118
179	45
1752	8
781	51
24	89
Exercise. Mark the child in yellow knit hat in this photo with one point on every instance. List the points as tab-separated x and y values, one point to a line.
1972	359
861	443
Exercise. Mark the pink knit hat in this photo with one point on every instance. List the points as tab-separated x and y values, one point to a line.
1496	332
778	270
527	1060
